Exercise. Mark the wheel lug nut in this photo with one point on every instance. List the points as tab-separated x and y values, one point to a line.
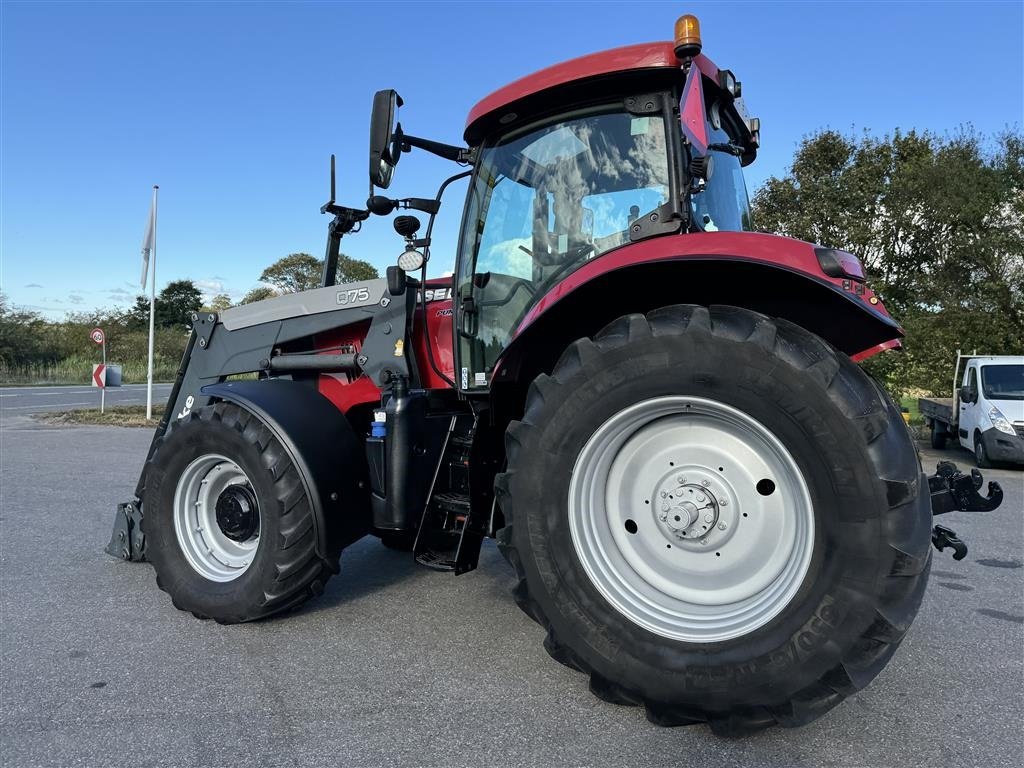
722	526
700	497
681	479
703	541
708	518
705	483
723	503
664	494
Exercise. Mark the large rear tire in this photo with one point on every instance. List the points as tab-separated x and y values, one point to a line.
801	586
228	524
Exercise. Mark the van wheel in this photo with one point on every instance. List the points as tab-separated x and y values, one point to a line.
980	455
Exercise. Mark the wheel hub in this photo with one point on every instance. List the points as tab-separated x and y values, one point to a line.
695	508
236	512
216	517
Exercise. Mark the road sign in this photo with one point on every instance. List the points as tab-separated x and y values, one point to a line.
112	376
99	375
97	335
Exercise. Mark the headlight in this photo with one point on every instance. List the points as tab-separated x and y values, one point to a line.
1000	422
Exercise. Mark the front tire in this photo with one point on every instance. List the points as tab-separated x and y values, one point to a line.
697	638
980	454
228	524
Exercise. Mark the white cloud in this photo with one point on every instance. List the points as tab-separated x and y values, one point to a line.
211	287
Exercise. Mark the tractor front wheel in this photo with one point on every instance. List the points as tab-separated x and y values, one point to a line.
716	516
228	524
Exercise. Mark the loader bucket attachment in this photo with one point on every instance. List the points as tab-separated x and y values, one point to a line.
127	540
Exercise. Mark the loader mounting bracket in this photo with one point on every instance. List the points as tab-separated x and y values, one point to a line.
127	540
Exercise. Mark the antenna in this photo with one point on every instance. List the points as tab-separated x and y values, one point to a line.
332	177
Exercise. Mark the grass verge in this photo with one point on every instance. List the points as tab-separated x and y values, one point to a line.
114	416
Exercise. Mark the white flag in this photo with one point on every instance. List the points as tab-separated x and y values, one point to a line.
147	241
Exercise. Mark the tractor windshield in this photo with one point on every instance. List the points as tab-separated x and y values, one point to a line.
543	201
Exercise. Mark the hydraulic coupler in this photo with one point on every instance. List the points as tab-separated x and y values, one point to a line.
953	491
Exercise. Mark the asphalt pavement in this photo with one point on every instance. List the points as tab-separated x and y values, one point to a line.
16	401
399	665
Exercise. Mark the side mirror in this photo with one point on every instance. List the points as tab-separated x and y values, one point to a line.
968	395
385	137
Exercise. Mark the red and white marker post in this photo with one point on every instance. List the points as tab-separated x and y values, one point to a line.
99	371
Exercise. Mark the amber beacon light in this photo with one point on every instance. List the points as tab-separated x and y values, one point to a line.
688	42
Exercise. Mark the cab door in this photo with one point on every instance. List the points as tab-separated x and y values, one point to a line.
969	411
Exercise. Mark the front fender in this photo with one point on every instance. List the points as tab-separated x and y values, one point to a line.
323	446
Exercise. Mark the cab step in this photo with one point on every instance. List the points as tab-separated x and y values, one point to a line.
443	525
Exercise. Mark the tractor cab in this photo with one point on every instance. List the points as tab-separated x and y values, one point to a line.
572	173
576	161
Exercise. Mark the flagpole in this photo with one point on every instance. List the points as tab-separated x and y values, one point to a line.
152	308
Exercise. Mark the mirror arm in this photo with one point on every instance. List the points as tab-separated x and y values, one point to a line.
447	151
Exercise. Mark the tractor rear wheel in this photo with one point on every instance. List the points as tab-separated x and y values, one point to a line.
228	525
716	516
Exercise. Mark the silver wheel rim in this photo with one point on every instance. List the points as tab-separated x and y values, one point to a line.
206	547
691	518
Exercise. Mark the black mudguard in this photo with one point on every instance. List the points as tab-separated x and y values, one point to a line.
323	446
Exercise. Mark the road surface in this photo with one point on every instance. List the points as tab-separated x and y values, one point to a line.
26	400
397	665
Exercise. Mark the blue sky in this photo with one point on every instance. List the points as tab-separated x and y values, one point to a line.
234	108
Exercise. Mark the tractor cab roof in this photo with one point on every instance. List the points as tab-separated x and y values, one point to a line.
647	66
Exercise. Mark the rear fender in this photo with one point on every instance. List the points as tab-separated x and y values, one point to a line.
773	275
323	446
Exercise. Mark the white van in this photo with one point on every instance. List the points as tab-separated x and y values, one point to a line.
986	412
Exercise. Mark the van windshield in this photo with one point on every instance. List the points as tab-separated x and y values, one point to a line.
1003	382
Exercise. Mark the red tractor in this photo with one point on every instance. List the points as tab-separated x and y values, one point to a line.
710	508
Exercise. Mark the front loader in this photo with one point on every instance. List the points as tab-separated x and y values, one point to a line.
712	511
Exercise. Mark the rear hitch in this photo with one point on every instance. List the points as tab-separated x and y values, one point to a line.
127	540
953	491
943	537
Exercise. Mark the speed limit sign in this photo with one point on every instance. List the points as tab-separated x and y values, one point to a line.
97	335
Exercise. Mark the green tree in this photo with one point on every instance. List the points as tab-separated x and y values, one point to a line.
301	272
939	225
218	303
354	270
295	272
173	307
21	335
259	293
